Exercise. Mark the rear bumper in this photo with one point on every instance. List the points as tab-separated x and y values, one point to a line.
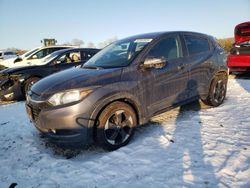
239	69
239	63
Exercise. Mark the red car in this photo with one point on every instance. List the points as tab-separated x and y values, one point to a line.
239	58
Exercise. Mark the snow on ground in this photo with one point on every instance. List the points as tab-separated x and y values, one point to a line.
190	146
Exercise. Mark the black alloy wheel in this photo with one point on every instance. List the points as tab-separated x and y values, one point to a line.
217	92
116	125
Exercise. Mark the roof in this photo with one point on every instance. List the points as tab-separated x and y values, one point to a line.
158	34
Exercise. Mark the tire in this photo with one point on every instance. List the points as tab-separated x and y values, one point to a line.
115	126
217	91
29	83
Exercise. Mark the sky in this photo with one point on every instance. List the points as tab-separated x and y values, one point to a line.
24	23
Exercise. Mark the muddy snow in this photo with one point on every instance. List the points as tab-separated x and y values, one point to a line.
190	146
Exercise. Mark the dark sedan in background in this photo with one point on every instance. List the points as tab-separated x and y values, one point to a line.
15	82
125	84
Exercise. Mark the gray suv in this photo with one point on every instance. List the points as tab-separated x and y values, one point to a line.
125	84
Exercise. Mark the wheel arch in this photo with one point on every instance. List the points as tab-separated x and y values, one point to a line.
26	79
124	97
218	73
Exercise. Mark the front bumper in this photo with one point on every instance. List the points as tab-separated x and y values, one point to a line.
65	124
10	89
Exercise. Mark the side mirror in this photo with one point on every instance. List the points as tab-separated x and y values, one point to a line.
157	63
18	59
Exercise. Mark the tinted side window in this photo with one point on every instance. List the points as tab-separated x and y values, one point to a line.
167	48
196	44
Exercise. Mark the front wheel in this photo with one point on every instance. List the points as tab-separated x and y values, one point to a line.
116	125
217	91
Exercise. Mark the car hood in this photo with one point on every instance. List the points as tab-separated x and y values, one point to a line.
14	70
76	78
242	32
9	63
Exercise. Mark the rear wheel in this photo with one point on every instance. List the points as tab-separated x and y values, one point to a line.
217	91
116	126
29	83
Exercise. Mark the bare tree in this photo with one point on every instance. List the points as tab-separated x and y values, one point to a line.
226	43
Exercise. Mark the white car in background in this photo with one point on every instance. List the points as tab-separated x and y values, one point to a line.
6	54
32	57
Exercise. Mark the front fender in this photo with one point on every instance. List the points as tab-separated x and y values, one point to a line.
118	96
10	90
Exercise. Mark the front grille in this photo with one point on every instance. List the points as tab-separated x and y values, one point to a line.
36	104
34	112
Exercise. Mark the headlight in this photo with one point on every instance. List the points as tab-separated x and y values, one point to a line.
68	97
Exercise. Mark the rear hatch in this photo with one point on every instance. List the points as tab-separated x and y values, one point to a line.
242	33
242	39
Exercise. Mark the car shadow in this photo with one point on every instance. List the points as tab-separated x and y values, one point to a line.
191	153
182	148
68	151
191	148
242	78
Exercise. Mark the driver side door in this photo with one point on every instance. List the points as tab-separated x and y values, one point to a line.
169	83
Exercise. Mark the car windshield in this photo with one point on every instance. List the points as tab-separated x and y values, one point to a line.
118	54
29	53
51	56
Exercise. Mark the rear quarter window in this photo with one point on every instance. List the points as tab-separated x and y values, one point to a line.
196	44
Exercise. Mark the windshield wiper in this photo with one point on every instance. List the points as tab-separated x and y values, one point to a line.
91	67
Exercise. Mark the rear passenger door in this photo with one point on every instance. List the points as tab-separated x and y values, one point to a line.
169	82
199	56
